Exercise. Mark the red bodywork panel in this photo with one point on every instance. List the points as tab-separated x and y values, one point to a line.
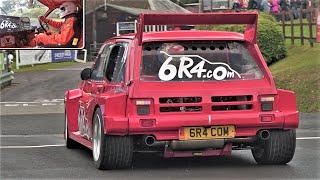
248	18
118	101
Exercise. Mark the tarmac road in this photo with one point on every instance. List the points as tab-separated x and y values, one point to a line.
32	147
32	144
43	85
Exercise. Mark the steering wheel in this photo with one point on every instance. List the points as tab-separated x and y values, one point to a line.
44	26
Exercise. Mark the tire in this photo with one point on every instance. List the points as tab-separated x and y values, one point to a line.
70	144
278	149
110	152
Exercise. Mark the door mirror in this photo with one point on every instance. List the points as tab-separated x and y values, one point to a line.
86	74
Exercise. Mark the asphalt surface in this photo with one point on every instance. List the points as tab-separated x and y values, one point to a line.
44	85
32	144
18	160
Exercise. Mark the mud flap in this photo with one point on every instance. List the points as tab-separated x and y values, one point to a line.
72	98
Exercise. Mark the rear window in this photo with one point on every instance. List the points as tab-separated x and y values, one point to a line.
198	61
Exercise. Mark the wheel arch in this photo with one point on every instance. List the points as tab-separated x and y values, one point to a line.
97	106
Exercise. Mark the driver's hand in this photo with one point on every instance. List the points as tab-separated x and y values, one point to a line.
49	32
43	19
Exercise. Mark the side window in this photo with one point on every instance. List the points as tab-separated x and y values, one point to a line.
98	68
116	64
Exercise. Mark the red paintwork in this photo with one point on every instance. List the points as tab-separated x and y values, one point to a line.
119	109
249	18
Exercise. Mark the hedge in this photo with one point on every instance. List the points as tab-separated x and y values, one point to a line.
270	38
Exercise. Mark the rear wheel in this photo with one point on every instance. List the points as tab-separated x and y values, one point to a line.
110	152
70	144
278	149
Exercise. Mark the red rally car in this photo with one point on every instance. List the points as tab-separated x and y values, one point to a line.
181	93
18	32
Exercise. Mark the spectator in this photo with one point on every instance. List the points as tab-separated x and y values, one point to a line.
254	4
299	5
236	5
244	4
275	9
275	6
294	8
265	6
284	5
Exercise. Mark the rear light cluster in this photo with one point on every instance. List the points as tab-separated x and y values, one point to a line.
143	107
193	104
267	103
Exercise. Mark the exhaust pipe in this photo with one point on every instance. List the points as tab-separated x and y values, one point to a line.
264	134
149	140
152	142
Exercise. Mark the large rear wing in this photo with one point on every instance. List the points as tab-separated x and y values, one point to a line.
175	19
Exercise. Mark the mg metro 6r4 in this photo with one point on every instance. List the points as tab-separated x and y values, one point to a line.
181	93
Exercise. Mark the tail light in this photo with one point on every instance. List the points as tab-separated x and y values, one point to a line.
143	106
267	103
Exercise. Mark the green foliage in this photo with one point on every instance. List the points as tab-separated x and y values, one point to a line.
270	38
31	13
299	72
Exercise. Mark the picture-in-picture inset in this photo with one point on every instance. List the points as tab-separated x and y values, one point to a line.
41	24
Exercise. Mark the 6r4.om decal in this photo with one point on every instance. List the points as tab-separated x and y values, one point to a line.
188	68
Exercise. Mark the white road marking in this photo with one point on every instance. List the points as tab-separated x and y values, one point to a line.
31	135
11	105
45	102
33	102
307	138
29	147
49	104
66	69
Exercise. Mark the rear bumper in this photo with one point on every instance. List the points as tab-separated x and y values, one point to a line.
166	127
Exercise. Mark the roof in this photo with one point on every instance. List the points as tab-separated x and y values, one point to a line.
166	6
187	35
133	11
140	4
137	6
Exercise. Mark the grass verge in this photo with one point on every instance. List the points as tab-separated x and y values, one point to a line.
299	72
42	67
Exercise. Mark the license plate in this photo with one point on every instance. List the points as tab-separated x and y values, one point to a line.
202	133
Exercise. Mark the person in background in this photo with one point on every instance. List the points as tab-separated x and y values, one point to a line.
275	9
284	5
254	4
236	5
275	6
295	7
299	6
265	6
245	4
